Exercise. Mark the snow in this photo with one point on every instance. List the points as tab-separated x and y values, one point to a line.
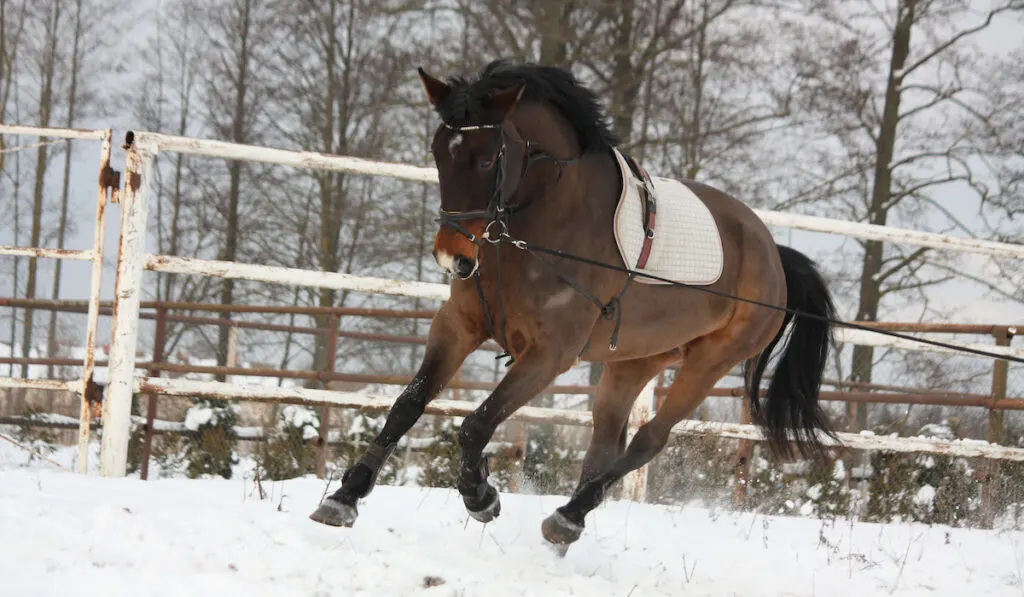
937	430
197	416
301	417
839	470
925	497
74	535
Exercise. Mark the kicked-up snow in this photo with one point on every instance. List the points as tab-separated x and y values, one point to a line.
68	535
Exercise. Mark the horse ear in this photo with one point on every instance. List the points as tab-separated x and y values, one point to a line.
437	90
504	101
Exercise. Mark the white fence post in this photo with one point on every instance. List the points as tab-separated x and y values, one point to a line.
634	485
89	362
117	404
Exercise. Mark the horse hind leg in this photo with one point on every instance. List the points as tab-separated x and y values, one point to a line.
707	359
621	382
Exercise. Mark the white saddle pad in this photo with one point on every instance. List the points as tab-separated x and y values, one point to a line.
687	247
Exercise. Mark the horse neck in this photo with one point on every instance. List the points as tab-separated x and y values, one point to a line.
588	190
542	124
572	214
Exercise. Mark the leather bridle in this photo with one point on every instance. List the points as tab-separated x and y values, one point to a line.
499	208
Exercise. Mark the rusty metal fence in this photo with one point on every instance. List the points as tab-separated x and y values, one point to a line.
161	313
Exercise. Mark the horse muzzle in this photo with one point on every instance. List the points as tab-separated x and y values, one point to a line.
459	266
452	252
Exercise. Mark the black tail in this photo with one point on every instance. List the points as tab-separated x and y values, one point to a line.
791	402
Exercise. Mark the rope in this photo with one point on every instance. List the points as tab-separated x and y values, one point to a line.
530	248
33	452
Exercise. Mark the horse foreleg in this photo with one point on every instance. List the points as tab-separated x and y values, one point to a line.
532	372
448	344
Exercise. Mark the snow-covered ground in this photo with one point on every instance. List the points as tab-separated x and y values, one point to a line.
63	534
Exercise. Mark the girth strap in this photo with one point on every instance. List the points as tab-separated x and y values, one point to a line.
650	209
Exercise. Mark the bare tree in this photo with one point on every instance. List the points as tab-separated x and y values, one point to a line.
12	25
240	33
62	226
46	64
167	102
1004	204
884	157
339	73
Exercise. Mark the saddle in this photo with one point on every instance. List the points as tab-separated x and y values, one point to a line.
664	229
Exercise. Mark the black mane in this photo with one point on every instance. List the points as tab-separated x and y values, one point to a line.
579	105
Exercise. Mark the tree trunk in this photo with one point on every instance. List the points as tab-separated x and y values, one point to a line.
69	122
692	146
554	26
414	351
45	108
330	185
174	242
627	89
235	179
870	290
16	194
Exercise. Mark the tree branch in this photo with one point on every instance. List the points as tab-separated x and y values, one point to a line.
1016	5
902	263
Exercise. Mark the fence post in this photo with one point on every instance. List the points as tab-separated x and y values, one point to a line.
106	180
634	485
231	359
996	429
117	404
325	411
159	338
743	454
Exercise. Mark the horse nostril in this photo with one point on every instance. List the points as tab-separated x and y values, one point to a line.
464	266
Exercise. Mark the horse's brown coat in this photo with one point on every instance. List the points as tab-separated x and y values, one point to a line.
549	323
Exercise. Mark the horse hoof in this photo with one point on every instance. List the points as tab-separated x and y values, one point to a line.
560	531
334	513
559	549
489	511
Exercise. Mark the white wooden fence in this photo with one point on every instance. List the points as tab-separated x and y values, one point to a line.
133	260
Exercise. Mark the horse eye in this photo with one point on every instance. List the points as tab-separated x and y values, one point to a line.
484	164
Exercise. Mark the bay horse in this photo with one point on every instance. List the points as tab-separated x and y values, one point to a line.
524	154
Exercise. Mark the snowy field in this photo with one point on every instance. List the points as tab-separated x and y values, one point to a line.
65	535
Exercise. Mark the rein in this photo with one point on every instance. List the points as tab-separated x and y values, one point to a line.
499	212
538	250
